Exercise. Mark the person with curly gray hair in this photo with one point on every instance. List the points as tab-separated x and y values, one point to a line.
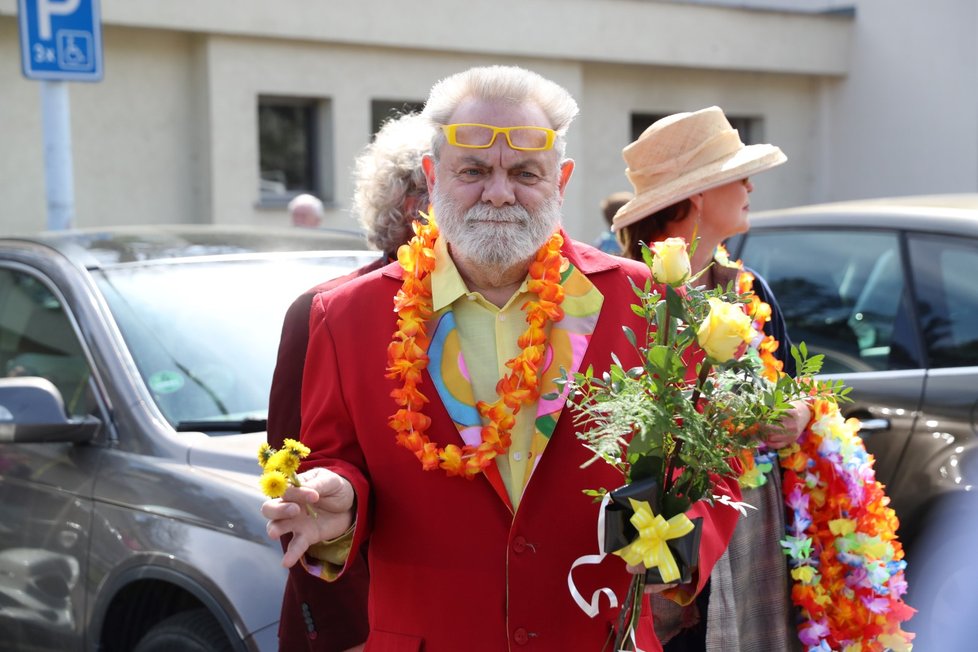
390	189
390	184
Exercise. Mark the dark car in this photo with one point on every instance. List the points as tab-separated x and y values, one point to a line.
888	290
136	366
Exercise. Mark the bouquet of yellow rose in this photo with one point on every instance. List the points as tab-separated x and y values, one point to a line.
676	424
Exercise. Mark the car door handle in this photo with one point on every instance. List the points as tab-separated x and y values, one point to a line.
67	539
873	425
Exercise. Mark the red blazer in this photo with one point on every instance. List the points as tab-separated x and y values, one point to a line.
451	567
316	616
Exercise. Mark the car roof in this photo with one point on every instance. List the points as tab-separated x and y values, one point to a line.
954	214
117	245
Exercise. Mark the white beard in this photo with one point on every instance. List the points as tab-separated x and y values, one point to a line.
495	238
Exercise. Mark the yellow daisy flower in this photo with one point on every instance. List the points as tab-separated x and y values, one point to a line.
284	461
273	483
297	447
264	452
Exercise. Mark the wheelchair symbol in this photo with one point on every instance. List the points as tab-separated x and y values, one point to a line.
75	50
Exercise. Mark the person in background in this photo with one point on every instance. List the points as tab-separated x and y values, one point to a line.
390	189
607	242
430	436
306	211
690	173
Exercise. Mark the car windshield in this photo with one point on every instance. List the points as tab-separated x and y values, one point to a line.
204	333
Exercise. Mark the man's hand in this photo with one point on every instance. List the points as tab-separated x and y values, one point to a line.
330	497
791	426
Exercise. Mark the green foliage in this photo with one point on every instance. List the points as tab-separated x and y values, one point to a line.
676	419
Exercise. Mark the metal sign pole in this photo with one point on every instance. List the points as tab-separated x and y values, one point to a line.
58	173
60	41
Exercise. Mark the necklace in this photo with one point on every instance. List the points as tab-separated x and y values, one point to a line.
407	356
846	562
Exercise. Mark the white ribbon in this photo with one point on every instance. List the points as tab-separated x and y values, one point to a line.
592	608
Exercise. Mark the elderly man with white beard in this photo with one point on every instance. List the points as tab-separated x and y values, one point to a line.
428	397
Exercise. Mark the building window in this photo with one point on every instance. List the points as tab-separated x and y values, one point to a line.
383	110
294	140
748	128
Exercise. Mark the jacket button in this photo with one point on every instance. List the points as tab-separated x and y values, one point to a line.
521	636
519	545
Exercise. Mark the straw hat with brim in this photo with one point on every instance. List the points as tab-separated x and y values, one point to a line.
684	154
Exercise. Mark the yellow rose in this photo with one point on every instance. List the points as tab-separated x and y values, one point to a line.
724	331
670	261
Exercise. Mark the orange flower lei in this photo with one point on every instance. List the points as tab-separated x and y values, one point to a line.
407	356
760	313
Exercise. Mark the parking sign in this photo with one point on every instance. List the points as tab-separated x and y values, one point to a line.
60	39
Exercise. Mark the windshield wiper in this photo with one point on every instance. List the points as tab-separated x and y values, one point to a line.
248	424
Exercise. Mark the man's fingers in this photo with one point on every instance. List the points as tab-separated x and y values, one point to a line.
276	528
297	547
335	490
320	509
301	494
277	509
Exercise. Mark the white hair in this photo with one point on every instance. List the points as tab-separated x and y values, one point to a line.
495	238
307	200
509	84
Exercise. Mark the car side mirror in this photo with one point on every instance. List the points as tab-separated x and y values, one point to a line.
32	411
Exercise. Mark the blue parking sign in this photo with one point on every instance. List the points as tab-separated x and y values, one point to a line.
60	39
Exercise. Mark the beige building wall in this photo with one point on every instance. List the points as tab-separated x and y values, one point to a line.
906	120
171	133
137	151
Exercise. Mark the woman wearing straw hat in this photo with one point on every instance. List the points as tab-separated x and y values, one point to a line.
690	173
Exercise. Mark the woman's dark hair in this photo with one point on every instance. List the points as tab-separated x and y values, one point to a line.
651	228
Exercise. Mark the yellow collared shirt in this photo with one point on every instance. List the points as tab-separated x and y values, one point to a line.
489	338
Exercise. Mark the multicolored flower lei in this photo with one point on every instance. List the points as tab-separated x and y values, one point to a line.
847	563
407	356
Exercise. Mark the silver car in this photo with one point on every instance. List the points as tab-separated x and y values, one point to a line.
887	289
135	370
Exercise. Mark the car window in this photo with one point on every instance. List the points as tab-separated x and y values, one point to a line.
204	333
840	292
38	339
947	298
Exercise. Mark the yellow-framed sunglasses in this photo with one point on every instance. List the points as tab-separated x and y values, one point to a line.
478	136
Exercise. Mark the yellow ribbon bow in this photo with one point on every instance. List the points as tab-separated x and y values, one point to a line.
650	548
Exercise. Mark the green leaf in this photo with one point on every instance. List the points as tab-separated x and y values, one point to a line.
661	357
677	305
672	505
647	255
629	335
646	466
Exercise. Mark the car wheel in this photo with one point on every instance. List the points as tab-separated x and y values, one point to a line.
187	631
